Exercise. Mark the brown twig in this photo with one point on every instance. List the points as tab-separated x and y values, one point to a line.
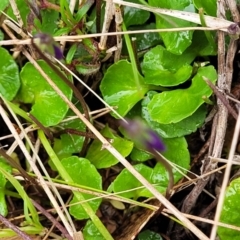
44	129
14	228
221	97
14	164
52	219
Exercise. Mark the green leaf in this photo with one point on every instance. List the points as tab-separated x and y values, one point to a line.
172	130
119	88
148	39
83	173
47	105
104	159
175	42
126	181
163	68
69	143
90	232
9	75
3	181
140	155
24	10
210	6
145	40
149	235
201	45
174	106
135	16
49	22
230	211
176	152
3	4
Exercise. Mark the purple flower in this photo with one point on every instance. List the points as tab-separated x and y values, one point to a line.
58	52
46	43
154	141
142	135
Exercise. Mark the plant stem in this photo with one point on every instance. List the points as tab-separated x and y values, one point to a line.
132	57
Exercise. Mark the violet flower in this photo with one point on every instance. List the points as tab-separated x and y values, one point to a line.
46	43
142	135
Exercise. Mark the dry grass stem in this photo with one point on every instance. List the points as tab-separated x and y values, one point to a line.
204	220
211	22
226	178
78	38
106	24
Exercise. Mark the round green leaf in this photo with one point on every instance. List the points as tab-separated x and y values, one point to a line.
104	159
175	42
119	88
172	130
47	105
83	173
9	75
174	106
230	211
135	16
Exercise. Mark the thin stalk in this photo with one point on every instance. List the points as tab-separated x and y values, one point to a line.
132	57
207	33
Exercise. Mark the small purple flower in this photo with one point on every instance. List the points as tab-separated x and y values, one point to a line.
58	52
46	43
154	141
142	135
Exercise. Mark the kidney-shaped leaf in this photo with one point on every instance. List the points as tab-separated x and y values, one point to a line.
83	173
120	89
174	106
230	211
47	105
9	75
172	130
